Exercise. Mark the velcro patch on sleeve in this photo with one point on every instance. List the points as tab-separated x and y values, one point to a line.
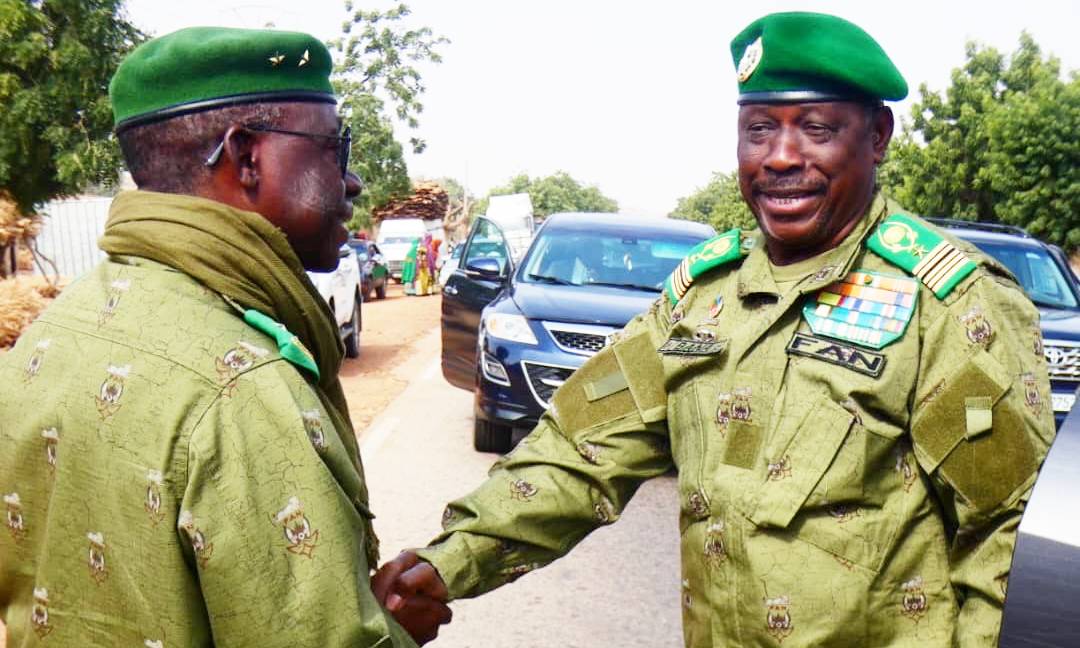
644	372
602	387
572	406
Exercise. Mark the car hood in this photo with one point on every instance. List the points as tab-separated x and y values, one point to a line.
1060	324
394	251
580	304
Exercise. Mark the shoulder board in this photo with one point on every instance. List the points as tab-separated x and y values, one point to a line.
910	244
704	257
289	346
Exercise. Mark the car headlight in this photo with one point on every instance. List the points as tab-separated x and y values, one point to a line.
510	327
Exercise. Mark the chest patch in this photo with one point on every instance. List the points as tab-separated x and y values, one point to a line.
692	347
867	308
838	353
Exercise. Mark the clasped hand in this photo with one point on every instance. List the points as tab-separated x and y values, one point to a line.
414	594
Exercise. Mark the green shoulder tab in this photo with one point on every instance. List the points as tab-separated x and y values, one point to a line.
910	244
704	257
288	344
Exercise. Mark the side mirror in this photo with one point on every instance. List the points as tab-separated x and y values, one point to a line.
485	268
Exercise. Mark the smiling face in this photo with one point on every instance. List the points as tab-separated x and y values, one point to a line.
807	171
301	190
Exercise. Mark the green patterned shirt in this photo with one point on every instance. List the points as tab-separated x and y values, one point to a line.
170	480
832	493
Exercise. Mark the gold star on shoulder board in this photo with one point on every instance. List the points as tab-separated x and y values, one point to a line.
919	251
277	59
304	59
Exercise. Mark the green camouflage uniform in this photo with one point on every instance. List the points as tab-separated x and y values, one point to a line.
831	495
170	480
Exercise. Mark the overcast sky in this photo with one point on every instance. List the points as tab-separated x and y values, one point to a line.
637	98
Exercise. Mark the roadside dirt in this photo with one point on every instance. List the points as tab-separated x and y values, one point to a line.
390	327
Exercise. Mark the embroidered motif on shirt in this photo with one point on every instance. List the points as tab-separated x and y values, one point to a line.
522	490
778	617
108	397
235	361
868	308
16	523
52	440
96	557
37	357
904	466
1038	346
517	571
715	552
605	511
589	452
1032	398
978	327
203	549
697	504
116	290
844	512
723	411
780	469
301	537
39	613
153	496
740	404
914	603
313	426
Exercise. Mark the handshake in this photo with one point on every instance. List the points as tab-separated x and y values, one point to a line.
414	593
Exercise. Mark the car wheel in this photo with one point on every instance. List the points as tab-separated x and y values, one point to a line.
491	437
352	338
380	290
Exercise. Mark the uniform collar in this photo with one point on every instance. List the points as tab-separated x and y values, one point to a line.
755	275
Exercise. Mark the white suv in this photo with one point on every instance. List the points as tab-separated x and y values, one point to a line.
341	289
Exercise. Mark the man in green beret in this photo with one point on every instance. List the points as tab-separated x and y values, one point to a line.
854	400
176	457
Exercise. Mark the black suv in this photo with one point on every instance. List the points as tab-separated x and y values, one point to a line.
1044	273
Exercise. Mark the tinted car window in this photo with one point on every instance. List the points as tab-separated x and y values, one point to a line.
583	258
1038	274
487	243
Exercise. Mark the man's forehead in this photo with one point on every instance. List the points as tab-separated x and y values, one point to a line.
803	108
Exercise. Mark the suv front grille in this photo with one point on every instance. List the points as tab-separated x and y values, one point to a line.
587	342
1062	360
545	379
393	265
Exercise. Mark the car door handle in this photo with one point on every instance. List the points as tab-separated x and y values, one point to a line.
450	290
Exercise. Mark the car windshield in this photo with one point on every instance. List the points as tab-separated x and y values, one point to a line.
1040	276
361	248
398	239
626	260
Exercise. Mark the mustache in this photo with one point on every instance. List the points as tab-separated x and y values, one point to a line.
787	185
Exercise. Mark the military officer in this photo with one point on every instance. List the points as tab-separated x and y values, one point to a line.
854	400
176	455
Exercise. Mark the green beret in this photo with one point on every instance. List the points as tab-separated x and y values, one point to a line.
201	68
799	57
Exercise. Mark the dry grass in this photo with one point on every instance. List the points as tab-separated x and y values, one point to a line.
21	300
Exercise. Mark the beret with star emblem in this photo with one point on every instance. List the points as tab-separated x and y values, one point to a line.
797	57
201	68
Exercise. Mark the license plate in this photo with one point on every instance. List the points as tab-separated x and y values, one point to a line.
1063	402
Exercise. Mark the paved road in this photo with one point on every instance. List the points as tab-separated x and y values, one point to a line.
620	587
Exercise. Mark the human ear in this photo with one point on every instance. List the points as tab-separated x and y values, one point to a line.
241	156
881	130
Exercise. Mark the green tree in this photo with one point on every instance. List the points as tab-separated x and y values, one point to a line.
719	203
1001	145
56	60
555	193
376	73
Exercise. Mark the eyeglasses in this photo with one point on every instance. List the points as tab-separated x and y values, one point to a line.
344	142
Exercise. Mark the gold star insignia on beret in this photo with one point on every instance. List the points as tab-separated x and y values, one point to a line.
304	59
277	59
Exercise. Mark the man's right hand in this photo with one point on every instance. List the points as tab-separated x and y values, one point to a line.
415	595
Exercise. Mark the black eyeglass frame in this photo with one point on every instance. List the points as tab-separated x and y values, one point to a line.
344	143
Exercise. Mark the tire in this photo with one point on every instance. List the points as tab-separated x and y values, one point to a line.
380	290
352	340
491	437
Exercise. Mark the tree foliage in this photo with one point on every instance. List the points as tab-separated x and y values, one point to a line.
376	76
1002	145
56	60
719	203
555	193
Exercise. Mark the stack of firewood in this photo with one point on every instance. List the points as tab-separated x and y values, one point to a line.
428	201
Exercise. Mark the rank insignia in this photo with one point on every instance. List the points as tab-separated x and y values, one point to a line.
868	308
913	246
